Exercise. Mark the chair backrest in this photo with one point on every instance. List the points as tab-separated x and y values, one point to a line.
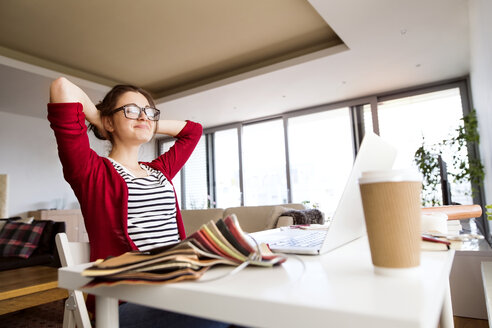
71	253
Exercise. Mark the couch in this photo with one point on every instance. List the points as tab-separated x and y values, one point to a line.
251	218
44	254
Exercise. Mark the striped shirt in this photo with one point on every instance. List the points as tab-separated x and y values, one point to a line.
151	208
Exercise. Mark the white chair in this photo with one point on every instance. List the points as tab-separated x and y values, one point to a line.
72	253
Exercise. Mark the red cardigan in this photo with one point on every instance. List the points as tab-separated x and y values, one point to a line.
100	190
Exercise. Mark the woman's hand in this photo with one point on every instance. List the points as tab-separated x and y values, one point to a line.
63	91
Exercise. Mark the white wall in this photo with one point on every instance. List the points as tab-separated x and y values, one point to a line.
28	154
481	81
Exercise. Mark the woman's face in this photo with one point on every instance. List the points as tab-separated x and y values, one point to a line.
129	131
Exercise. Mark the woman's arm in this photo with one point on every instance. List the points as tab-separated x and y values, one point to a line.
170	127
64	91
188	135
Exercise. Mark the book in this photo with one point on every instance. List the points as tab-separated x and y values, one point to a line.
215	243
454	227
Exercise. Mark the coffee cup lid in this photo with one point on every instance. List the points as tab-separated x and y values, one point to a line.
390	176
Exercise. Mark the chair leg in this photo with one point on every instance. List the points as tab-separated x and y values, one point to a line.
81	315
68	317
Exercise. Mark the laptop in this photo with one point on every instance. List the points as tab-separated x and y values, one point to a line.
347	223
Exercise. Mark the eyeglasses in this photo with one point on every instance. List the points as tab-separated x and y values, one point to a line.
133	112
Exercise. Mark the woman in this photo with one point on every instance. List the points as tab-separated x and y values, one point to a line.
127	205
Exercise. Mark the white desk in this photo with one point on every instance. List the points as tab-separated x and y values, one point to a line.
338	289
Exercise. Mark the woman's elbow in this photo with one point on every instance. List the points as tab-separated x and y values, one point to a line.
60	90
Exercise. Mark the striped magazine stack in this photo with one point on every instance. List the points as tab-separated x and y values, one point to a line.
215	243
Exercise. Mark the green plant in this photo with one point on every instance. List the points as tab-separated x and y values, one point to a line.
462	168
428	165
489	214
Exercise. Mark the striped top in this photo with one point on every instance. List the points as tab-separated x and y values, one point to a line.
151	208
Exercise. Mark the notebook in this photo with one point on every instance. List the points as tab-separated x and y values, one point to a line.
347	223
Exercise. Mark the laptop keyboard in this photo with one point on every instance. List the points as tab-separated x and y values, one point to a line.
311	239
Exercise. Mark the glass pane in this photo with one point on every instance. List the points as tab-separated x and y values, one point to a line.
196	186
321	156
228	193
264	178
430	117
366	109
177	187
164	146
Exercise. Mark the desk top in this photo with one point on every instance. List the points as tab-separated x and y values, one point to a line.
339	288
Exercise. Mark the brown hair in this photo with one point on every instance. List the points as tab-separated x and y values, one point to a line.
108	104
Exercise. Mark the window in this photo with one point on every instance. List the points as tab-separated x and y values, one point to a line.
429	118
321	155
195	178
264	176
366	110
247	164
226	151
164	146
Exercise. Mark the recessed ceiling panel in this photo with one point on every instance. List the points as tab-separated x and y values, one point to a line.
164	46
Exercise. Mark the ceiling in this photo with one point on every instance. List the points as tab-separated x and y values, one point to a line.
223	61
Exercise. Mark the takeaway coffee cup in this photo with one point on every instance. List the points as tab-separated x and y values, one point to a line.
392	211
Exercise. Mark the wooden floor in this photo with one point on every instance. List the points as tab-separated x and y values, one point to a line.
27	287
461	322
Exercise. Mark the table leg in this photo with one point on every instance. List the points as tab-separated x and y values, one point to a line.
106	312
446	320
